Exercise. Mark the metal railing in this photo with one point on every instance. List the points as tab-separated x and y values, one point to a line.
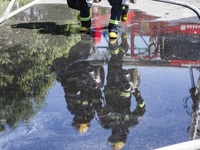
9	13
5	15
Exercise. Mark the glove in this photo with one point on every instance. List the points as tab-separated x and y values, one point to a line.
137	93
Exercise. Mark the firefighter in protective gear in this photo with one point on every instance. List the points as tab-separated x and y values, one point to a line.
125	9
82	83
121	85
84	6
84	9
119	9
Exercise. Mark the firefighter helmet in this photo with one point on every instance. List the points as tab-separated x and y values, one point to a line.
117	146
82	127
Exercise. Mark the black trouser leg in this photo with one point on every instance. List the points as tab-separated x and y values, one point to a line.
116	12
82	6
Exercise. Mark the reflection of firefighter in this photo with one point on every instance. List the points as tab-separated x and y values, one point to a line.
194	128
82	84
121	84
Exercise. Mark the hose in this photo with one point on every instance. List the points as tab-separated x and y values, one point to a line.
196	10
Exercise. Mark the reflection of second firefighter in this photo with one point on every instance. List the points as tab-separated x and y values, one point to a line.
121	85
82	83
194	128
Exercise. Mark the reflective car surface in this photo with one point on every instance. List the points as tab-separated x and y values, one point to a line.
61	89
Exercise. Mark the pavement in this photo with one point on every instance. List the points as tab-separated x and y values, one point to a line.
165	11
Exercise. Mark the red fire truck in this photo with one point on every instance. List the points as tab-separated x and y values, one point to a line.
174	42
